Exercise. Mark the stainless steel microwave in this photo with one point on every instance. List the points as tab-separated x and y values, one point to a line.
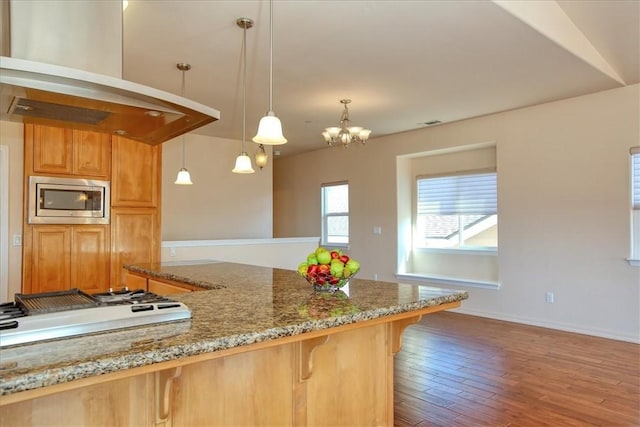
55	200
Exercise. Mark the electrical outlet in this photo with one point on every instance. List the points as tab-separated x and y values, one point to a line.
17	240
375	276
172	251
377	230
550	297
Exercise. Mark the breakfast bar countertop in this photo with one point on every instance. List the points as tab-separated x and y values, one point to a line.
239	305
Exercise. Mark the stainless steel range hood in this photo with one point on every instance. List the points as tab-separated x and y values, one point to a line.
34	92
59	71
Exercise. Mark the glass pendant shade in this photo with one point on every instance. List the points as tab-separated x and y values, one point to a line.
243	164
270	131
261	157
183	177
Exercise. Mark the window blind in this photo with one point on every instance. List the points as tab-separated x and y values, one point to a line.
635	179
470	194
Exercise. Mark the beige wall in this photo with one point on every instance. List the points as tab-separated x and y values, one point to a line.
11	135
563	195
220	204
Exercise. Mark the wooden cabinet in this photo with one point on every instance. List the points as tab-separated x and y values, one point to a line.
69	256
51	261
133	281
91	258
136	173
134	239
339	376
51	150
161	288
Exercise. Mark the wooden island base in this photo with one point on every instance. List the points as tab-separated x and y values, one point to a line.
337	376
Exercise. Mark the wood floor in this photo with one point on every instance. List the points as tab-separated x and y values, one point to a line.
459	370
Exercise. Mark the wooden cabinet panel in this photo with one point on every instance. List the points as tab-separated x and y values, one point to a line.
123	402
133	282
51	259
92	154
136	173
134	239
66	257
165	288
90	258
52	149
68	152
247	389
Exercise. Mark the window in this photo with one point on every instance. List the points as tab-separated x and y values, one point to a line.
457	211
635	203
335	214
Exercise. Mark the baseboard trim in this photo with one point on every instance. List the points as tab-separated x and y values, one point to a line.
550	325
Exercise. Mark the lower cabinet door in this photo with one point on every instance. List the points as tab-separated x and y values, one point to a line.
51	260
134	235
90	258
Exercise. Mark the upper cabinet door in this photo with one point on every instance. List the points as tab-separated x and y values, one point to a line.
136	173
68	152
52	149
92	154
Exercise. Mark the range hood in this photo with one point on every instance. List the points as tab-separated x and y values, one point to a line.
39	93
57	70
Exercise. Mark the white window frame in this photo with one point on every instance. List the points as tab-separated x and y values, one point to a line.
325	215
634	258
418	246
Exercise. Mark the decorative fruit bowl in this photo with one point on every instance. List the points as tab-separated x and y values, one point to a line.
327	270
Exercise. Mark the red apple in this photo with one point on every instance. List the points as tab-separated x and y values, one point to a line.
344	259
335	254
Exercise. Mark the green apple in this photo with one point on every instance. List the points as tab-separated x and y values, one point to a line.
302	268
312	259
353	265
324	257
337	269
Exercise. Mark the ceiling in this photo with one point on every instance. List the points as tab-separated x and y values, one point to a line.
402	63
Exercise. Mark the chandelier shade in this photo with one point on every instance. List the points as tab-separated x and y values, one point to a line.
345	134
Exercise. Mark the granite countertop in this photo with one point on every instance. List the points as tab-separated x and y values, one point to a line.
239	305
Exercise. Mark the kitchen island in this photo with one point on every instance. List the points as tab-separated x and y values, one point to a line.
261	348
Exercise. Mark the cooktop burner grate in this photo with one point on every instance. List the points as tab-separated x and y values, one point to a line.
51	302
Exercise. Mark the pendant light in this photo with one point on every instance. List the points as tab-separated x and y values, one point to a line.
243	161
270	127
183	177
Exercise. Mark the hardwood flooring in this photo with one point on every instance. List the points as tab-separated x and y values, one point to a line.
460	370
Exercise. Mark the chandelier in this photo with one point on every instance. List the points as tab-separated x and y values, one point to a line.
345	134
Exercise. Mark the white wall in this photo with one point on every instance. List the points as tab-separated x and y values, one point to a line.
280	253
220	204
11	135
563	196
